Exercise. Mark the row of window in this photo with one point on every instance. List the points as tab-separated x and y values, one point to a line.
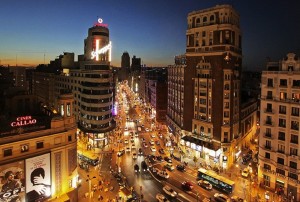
25	147
279	171
282	109
282	123
280	160
283	83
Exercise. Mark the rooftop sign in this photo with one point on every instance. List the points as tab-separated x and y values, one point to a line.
99	23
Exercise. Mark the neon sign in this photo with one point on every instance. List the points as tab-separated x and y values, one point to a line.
100	23
97	52
23	121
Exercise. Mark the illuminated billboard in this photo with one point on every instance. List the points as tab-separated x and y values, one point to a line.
38	178
12	182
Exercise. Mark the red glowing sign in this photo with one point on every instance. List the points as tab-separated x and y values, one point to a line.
23	121
100	24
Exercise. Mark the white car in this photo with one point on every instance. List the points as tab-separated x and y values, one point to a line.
128	149
161	198
153	149
163	174
134	156
147	129
151	142
168	190
153	135
126	141
221	197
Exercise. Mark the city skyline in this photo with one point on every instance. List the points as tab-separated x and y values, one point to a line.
36	32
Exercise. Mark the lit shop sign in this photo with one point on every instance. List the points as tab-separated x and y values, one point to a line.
23	121
97	52
100	23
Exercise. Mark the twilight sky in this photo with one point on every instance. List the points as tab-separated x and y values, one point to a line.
32	31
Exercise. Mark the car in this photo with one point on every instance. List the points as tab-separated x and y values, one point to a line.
169	166
134	156
188	186
236	199
132	146
161	151
180	167
136	168
159	158
155	170
143	140
157	142
152	158
126	141
160	135
153	135
168	159
140	151
128	149
136	134
153	149
144	166
161	198
163	174
131	140
125	128
147	129
169	191
221	197
143	126
245	172
151	142
121	152
205	184
145	144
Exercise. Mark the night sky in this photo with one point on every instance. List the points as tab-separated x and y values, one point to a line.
32	31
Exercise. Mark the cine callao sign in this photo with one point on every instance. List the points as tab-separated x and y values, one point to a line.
97	52
23	121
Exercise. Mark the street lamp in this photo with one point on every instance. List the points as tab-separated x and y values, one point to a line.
89	180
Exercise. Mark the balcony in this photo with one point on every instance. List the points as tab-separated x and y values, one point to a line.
269	123
280	151
268	147
269	111
268	135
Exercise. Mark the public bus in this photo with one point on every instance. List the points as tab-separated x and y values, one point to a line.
88	158
218	182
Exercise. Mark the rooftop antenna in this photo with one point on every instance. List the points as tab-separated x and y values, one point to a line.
44	58
16	60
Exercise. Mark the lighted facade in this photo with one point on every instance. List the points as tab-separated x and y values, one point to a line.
279	135
41	143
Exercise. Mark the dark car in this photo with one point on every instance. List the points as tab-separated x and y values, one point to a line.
140	151
121	152
188	186
159	158
144	166
168	159
136	168
161	151
180	167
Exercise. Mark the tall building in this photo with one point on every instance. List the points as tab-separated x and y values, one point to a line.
204	88
92	84
125	60
279	157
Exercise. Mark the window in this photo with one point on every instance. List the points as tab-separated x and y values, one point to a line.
282	109
280	160
269	107
212	18
293	176
39	145
24	148
282	123
280	171
70	138
281	148
294	139
295	111
281	136
283	96
205	19
268	144
268	132
7	152
293	164
270	82
296	83
203	34
295	125
267	167
198	21
68	109
283	82
62	111
269	120
267	155
266	180
293	151
269	95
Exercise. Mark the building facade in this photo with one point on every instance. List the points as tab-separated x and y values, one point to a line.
279	159
38	143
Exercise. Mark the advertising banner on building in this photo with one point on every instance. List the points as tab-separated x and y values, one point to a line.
38	178
12	182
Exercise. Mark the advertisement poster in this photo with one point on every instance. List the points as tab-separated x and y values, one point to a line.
12	182
38	179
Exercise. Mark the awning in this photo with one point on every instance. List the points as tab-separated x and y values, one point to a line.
210	145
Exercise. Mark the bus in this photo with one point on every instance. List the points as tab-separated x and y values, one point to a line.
218	182
88	158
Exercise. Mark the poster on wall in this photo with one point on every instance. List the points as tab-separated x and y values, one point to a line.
38	179
12	182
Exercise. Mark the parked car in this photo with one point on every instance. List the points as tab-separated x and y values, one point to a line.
169	191
161	198
188	186
169	166
205	184
168	159
163	174
181	167
121	152
136	168
221	197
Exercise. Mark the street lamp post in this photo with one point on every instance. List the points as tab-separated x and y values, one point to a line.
89	180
